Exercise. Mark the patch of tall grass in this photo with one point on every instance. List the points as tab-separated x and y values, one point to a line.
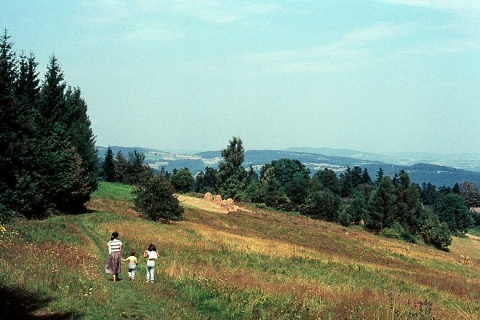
114	191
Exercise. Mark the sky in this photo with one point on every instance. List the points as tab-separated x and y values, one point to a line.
377	76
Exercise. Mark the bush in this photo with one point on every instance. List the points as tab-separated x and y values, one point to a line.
344	218
155	199
182	180
434	232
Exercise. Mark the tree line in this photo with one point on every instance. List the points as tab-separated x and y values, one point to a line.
392	206
48	160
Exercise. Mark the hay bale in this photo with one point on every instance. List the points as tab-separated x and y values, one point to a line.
217	199
208	197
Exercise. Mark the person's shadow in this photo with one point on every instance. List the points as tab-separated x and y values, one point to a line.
17	303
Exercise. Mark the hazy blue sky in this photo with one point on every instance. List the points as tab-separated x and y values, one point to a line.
377	76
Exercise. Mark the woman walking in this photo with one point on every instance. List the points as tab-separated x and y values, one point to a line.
114	259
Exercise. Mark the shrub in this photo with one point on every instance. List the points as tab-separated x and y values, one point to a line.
434	232
155	199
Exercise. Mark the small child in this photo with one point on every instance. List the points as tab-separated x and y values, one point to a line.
132	265
152	255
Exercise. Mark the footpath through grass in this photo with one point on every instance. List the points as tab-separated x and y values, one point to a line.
245	265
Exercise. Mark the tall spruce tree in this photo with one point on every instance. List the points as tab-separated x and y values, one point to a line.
70	148
121	165
408	206
28	84
9	124
52	103
80	134
382	205
109	166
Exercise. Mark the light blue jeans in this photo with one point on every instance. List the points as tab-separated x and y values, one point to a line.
132	267
150	270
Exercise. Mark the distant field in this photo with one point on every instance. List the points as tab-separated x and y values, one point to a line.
255	264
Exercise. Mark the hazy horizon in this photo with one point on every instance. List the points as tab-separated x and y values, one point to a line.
375	76
194	151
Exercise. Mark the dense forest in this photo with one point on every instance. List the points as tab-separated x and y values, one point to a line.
49	164
48	161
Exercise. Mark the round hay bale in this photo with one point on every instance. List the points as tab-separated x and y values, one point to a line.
217	199
208	196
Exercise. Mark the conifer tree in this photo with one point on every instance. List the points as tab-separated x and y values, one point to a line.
382	205
80	134
109	166
66	126
121	165
52	103
380	175
27	84
9	124
408	206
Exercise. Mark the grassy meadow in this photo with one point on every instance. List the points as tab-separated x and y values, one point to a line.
251	264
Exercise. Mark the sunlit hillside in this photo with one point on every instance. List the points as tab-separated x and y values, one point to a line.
250	264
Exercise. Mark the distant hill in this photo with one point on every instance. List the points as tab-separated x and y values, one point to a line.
465	161
335	159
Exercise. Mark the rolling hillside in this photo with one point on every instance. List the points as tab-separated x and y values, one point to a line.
438	175
250	264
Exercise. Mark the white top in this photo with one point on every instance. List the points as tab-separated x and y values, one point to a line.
152	255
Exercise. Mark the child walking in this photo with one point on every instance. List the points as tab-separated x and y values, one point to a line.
151	255
132	265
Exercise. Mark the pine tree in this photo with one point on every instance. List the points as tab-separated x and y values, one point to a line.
382	205
9	126
408	206
121	165
27	85
380	175
109	166
80	134
52	104
137	171
366	177
8	110
66	126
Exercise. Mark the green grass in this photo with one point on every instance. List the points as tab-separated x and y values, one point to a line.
114	191
248	265
474	232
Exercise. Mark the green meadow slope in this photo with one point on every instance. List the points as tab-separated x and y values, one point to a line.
250	264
